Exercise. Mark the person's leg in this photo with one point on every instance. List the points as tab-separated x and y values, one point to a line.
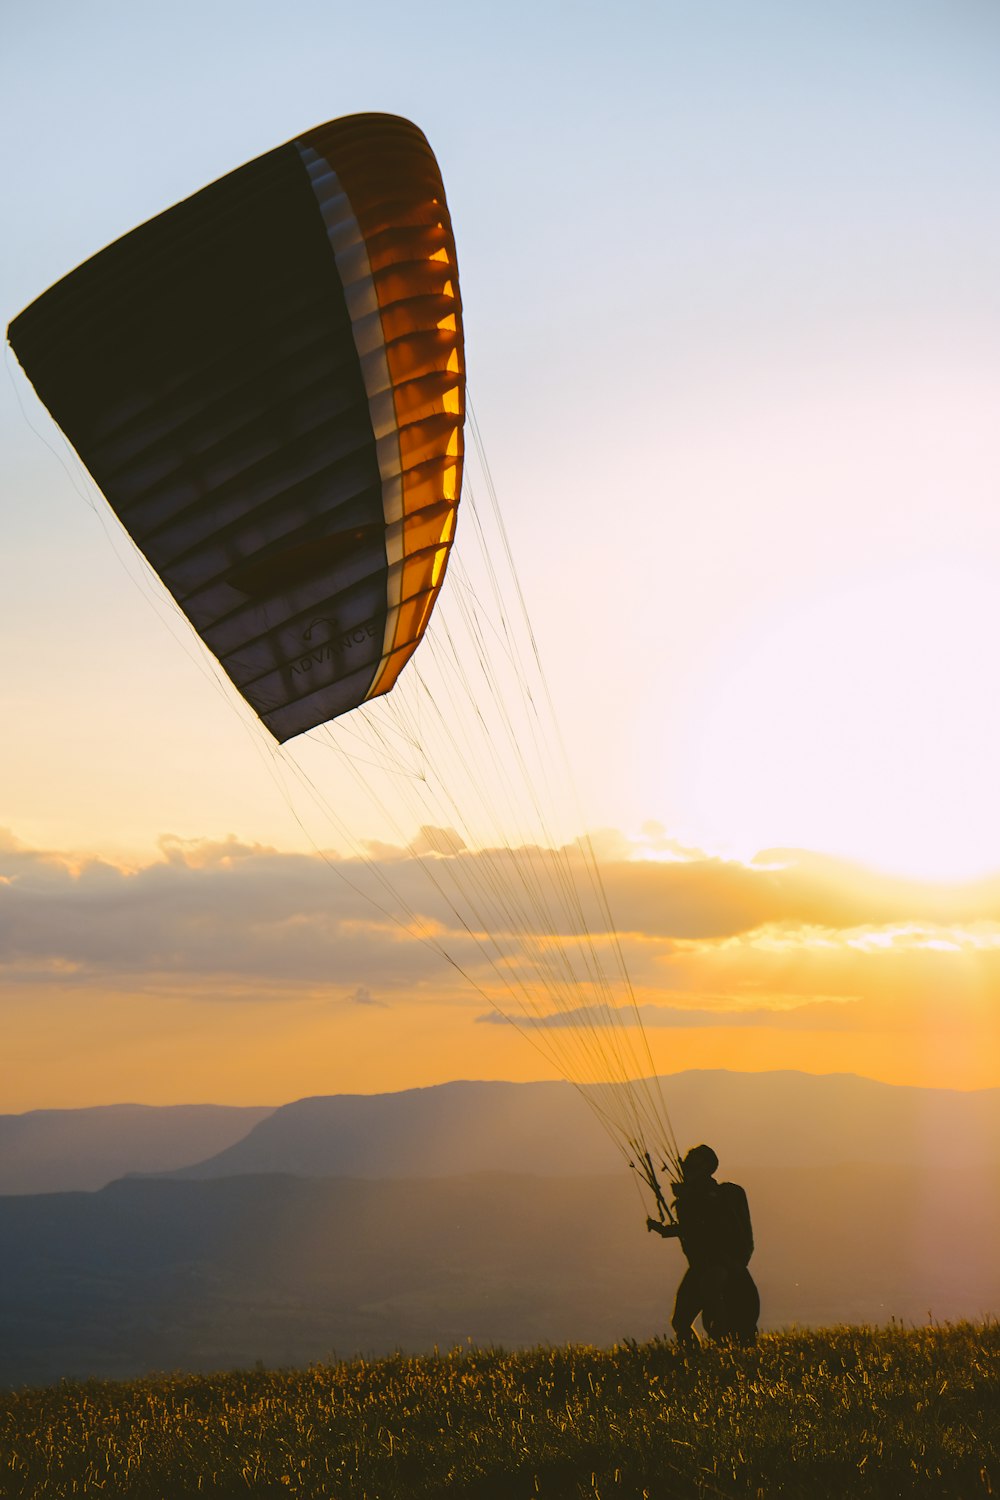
716	1313
687	1306
745	1307
732	1304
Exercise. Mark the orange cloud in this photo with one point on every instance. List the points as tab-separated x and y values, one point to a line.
761	964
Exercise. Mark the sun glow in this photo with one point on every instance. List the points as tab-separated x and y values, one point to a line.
864	722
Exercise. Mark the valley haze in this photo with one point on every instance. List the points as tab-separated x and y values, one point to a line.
493	1211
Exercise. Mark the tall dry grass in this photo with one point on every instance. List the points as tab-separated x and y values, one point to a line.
842	1412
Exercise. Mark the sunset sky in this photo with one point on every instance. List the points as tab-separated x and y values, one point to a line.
733	338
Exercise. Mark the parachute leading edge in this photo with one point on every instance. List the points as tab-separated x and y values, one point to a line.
267	382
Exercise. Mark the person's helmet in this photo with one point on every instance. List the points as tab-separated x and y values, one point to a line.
703	1158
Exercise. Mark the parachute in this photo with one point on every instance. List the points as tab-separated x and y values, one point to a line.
267	383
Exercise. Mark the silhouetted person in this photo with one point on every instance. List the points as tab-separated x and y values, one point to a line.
713	1226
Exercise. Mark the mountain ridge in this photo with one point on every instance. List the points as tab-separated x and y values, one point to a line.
468	1125
67	1150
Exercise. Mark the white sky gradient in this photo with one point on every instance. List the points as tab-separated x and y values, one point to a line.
733	337
734	340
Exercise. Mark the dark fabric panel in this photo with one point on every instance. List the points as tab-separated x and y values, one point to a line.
204	369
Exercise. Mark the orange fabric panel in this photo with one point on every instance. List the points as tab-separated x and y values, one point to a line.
419	353
413	616
429	527
428	483
394	186
416	242
430	438
425	397
412	278
418	315
419	573
394	664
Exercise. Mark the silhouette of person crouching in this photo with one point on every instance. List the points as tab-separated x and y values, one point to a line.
713	1226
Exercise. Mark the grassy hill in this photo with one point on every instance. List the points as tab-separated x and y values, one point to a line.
843	1412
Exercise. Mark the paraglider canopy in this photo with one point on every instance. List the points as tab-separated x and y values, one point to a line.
267	382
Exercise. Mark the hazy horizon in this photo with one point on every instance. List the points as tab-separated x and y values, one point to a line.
272	1105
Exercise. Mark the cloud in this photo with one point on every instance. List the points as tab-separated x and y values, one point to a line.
710	898
432	840
790	940
208	909
819	1013
363	996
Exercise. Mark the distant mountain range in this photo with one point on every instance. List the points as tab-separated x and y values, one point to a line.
63	1150
779	1119
492	1211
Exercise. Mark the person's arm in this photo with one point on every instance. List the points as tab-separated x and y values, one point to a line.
668	1231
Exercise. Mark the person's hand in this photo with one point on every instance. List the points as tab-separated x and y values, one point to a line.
652	1224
